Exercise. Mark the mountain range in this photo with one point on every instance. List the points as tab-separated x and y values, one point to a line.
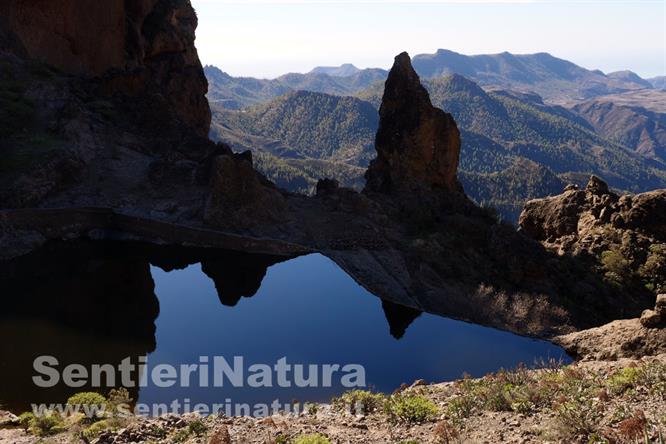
518	144
556	80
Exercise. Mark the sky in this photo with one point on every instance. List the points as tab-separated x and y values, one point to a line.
267	38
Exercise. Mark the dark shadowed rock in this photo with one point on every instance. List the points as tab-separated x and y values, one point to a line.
597	186
138	47
326	186
650	319
648	213
550	218
417	144
241	198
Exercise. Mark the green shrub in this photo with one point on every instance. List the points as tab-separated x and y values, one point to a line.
96	429
25	420
181	435
197	427
91	404
578	417
91	399
653	271
42	425
311	439
359	402
460	408
411	408
117	398
624	379
617	267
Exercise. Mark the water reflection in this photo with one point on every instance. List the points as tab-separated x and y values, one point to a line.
80	303
97	303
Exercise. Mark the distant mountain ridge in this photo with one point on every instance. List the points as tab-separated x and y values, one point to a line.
344	70
556	80
242	92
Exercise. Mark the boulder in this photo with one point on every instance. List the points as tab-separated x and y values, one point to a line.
648	213
660	306
651	319
553	217
418	145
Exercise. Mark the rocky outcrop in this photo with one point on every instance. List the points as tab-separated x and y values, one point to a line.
572	215
417	144
621	339
624	235
139	47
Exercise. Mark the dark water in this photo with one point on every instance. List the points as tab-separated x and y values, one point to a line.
306	310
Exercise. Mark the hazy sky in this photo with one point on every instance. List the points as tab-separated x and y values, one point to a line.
266	38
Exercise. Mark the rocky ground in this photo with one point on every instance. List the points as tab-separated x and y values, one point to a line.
596	401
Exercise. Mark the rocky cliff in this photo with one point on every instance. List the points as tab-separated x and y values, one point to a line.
139	47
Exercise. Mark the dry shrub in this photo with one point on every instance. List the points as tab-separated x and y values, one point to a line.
445	433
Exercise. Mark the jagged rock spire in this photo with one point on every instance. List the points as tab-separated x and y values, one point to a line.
417	144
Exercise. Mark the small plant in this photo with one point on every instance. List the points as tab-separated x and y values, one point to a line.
181	435
119	399
445	433
280	439
460	408
96	429
578	417
624	379
410	408
311	439
47	424
653	271
312	408
25	420
632	428
197	427
359	402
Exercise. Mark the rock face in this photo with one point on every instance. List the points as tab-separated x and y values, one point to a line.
136	46
417	144
641	337
573	213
